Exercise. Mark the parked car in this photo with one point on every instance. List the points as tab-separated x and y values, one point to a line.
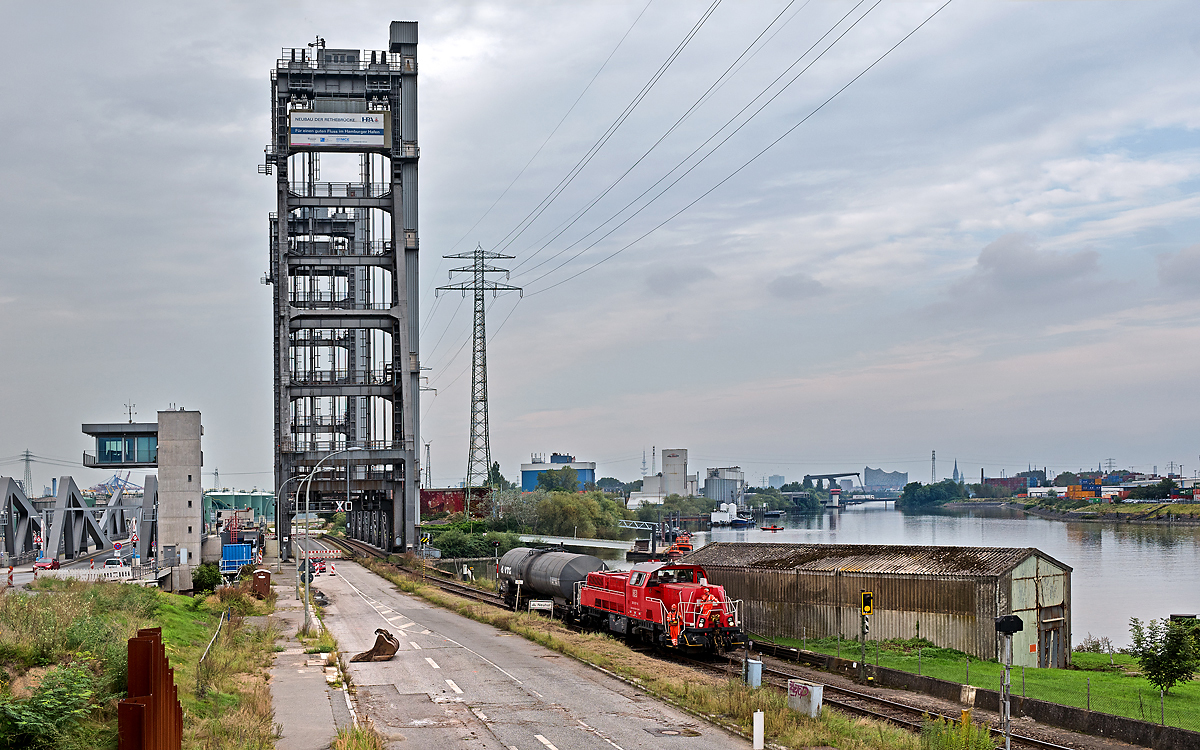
44	564
114	562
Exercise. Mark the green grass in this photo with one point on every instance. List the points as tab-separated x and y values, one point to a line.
1114	689
78	631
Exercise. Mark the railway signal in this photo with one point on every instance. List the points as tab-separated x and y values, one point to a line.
868	602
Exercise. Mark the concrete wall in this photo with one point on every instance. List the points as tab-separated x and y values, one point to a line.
180	497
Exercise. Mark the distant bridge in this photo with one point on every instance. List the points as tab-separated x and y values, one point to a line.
570	541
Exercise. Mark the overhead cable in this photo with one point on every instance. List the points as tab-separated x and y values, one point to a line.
745	164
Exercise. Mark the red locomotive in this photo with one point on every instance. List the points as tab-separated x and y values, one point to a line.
669	604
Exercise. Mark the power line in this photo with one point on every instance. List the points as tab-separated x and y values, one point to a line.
720	80
545	203
708	140
740	168
547	140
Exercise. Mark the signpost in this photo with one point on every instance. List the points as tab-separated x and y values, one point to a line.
1006	626
546	605
867	605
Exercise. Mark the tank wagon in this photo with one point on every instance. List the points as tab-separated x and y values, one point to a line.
671	605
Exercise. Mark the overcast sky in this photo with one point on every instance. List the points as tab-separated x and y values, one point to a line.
986	246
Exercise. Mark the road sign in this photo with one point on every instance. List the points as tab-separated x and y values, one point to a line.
543	604
117	546
134	538
868	602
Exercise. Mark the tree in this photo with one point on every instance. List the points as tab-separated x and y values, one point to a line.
611	484
917	495
565	479
1066	479
496	480
1167	652
1160	491
205	578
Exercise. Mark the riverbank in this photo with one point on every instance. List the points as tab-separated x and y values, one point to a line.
1146	514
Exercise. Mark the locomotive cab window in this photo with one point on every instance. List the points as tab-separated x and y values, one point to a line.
639	579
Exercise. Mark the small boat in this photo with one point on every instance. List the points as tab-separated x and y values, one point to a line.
773	514
771	528
739	522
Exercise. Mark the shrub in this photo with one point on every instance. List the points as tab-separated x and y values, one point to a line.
63	698
206	578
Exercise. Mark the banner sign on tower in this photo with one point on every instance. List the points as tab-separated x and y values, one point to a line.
339	128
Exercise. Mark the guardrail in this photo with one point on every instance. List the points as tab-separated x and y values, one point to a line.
202	666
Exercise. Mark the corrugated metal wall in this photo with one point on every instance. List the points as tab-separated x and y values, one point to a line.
952	611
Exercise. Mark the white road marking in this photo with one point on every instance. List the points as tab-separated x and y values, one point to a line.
424	632
482	716
407	625
432	663
393	619
596	732
414	645
454	687
545	742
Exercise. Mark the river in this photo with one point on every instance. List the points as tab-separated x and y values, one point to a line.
1119	571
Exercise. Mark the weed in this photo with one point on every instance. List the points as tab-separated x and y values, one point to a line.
361	736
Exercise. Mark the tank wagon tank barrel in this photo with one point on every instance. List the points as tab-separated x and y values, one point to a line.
546	573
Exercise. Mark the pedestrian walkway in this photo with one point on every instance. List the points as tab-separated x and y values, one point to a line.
306	707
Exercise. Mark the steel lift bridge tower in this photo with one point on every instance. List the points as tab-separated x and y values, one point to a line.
344	272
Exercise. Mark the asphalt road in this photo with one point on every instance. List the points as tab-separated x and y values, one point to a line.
456	682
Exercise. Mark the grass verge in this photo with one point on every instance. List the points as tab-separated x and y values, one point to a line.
1094	683
63	662
727	702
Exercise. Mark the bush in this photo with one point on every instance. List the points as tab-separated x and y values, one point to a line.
946	734
1093	645
206	578
40	721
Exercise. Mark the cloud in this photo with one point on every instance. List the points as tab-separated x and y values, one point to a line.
670	280
796	286
1180	270
1014	269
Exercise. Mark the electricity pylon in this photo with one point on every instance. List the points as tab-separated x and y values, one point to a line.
479	454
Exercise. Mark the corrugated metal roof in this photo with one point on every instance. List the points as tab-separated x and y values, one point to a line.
865	558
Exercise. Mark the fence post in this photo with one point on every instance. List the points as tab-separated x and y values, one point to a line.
968	682
918	661
1162	708
1089	693
1022	682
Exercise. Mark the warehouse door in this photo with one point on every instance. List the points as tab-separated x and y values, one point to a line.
1050	641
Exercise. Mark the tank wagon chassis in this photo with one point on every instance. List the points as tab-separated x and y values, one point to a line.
670	605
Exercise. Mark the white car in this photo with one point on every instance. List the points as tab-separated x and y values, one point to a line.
113	562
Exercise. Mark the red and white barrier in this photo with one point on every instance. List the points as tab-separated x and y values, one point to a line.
92	566
10	570
332	572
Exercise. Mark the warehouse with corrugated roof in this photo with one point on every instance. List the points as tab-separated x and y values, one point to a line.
947	595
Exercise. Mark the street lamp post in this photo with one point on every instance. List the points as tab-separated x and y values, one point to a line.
280	501
307	494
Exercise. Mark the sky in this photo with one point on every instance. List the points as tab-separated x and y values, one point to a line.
982	243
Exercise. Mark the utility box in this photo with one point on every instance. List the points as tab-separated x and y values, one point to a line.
805	697
262	584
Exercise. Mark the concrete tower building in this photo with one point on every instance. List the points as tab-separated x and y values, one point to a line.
343	263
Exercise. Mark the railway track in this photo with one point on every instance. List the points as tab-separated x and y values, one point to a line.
362	549
843	699
864	704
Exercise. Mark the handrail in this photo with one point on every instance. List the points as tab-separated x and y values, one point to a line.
200	664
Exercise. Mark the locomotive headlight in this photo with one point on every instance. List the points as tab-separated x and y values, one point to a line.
729	621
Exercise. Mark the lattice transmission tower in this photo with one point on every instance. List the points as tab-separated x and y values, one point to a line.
479	454
27	456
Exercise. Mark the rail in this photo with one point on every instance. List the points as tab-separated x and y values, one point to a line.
341	377
337	247
340	189
203	669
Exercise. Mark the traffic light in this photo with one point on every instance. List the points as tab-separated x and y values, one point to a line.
868	602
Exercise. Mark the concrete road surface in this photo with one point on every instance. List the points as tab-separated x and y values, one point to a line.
459	683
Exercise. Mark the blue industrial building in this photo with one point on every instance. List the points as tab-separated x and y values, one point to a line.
531	471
